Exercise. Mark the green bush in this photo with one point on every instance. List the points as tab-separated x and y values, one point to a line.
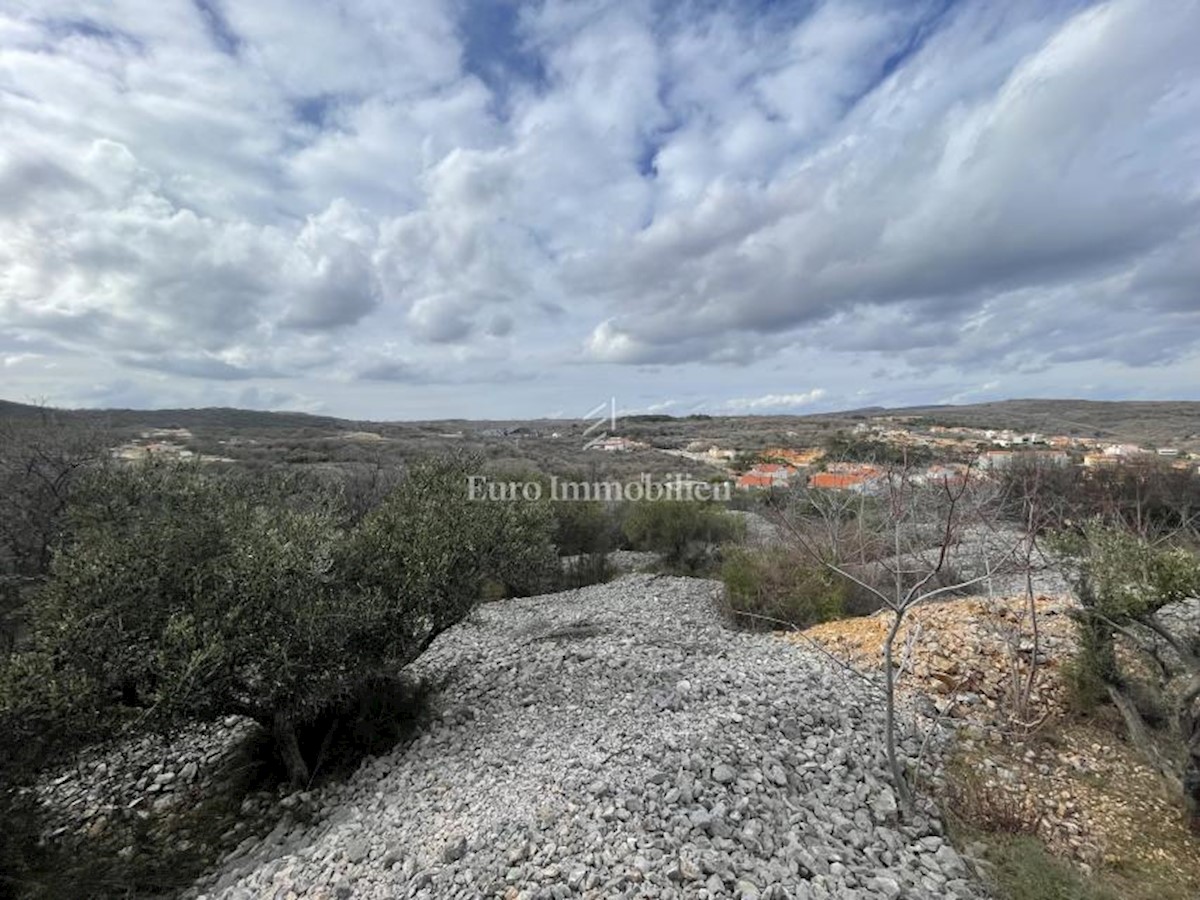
684	533
1022	869
585	527
1122	580
181	595
767	588
1086	690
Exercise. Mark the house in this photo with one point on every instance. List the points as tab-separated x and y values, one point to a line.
750	480
1121	450
834	481
847	477
991	460
765	475
1054	457
952	473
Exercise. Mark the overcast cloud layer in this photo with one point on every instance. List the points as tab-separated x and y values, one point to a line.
490	208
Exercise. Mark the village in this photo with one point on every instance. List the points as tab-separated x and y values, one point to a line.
855	458
933	452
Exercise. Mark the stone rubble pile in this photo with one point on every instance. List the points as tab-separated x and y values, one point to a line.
149	776
618	741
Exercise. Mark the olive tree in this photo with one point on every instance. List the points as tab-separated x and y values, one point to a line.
1124	582
41	457
180	594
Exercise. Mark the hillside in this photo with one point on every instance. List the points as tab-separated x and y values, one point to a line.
1165	422
208	417
1134	420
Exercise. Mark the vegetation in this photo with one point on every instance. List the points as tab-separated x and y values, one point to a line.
41	457
1147	497
921	523
1123	581
153	596
178	595
775	587
586	527
850	448
684	533
1022	869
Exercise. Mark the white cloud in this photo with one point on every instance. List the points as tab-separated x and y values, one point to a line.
775	401
16	359
310	194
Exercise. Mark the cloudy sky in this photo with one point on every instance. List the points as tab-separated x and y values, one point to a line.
496	208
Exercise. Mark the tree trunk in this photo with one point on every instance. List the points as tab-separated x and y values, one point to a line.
1141	740
288	746
898	777
1189	727
1191	784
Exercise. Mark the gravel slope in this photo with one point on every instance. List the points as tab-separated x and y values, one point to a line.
618	741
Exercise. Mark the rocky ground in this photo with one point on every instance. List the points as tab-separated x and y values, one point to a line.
618	741
620	562
1094	799
150	776
966	659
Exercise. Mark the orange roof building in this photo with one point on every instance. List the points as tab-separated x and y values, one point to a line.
844	481
766	475
751	480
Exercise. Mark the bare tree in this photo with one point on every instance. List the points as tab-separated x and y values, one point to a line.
923	521
1038	510
40	458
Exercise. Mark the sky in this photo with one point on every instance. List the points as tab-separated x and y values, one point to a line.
494	209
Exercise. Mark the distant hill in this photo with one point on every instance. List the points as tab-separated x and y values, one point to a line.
1159	422
212	417
10	410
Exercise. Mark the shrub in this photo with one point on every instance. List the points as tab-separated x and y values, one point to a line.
852	448
181	595
971	802
41	458
1086	690
684	533
1122	581
769	587
1022	869
585	528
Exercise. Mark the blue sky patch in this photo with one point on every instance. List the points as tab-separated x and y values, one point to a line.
219	29
494	50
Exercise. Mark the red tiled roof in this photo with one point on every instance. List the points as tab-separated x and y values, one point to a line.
753	480
770	469
835	480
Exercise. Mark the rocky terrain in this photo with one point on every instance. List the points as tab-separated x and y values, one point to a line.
617	741
1094	799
